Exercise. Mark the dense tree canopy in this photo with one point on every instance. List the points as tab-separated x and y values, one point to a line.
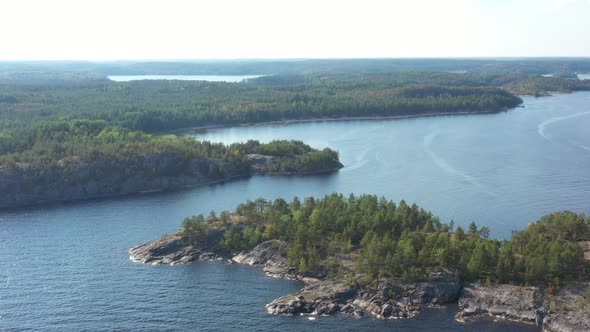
44	126
153	106
388	239
56	149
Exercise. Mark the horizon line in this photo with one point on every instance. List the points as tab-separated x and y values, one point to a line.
556	57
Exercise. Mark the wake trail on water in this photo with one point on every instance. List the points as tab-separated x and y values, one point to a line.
445	166
359	162
541	127
581	146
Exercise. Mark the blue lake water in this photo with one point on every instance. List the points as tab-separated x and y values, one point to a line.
210	78
65	267
501	170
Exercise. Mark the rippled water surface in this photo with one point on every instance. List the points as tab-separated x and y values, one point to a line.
65	267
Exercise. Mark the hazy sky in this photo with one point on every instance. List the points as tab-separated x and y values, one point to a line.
183	29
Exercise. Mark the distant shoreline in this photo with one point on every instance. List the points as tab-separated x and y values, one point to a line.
185	131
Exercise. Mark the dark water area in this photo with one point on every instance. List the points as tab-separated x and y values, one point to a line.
65	267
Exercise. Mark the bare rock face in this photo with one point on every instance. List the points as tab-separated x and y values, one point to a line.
515	303
169	249
572	310
259	163
271	256
269	252
568	311
394	298
385	298
320	298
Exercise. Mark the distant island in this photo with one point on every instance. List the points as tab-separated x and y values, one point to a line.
115	161
366	255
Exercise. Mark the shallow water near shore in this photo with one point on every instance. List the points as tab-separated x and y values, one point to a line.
65	267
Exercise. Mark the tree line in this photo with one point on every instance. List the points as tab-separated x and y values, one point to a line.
57	149
153	106
385	239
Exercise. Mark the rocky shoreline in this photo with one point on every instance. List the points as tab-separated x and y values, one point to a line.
508	302
386	298
566	311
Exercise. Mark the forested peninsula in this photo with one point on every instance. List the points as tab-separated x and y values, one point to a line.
156	106
92	137
367	255
65	141
105	162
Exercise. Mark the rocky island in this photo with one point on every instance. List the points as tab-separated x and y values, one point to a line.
366	256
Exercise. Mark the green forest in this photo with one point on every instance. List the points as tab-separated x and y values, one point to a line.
64	152
154	106
86	118
42	124
378	238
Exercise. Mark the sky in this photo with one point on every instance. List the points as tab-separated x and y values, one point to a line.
104	30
